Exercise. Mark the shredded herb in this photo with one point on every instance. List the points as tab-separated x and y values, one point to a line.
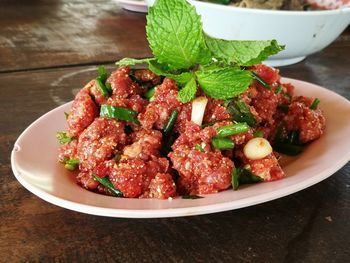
109	186
170	124
240	112
64	138
261	81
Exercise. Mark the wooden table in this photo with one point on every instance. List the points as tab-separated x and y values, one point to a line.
49	49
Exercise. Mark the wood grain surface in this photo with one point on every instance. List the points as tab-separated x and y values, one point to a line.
50	49
39	34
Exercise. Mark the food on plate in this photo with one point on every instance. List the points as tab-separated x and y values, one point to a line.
205	116
284	4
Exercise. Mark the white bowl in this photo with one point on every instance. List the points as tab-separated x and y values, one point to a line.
302	32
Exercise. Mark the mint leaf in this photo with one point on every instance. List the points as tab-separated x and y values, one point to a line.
243	53
188	92
223	82
161	70
133	61
174	32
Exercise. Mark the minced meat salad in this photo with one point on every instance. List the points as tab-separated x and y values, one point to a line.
140	141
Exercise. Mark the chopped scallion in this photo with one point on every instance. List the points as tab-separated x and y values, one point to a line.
222	143
293	138
71	164
258	134
315	104
119	113
101	87
240	112
234	179
279	89
149	94
109	186
247	177
64	138
170	124
232	129
102	74
287	148
261	81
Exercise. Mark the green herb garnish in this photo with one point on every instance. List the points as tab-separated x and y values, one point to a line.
104	87
71	164
240	112
119	113
261	81
232	129
243	176
170	124
109	186
258	134
184	53
222	143
314	104
64	138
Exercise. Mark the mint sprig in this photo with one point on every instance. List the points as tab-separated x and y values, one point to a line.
184	53
174	32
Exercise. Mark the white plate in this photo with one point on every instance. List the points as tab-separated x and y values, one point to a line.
34	163
133	5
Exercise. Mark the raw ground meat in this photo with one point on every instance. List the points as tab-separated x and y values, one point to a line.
134	158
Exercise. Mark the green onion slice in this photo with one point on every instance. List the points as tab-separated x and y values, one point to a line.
234	180
247	177
232	129
149	94
170	124
101	87
222	143
64	138
258	134
109	186
102	74
287	148
240	112
279	89
261	81
315	104
118	113
71	164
